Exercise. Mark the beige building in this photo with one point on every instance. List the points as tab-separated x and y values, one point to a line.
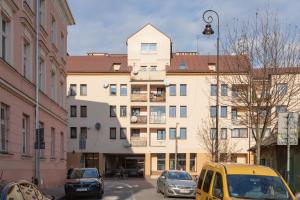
147	108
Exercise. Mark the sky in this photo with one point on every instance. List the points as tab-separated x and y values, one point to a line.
105	25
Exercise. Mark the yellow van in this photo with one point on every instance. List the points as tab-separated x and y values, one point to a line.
237	181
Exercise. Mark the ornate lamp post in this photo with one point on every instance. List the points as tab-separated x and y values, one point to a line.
208	19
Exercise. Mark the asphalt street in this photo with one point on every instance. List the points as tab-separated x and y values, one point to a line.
131	189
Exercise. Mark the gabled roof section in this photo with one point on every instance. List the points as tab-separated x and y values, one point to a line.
146	25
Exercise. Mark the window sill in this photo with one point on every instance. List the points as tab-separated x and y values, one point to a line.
26	156
6	153
52	158
62	159
43	158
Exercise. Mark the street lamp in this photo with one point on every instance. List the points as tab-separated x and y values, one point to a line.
208	19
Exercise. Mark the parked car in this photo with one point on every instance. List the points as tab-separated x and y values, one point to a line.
241	181
22	190
84	182
176	183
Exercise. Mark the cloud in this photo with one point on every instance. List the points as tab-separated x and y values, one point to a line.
104	25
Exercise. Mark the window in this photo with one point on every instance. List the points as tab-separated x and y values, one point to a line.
201	178
83	137
62	45
5	38
73	111
172	133
123	111
42	135
239	133
41	73
172	111
25	134
52	147
62	145
161	161
281	109
234	113
153	68
53	30
161	134
62	94
182	66
113	90
172	161
213	133
193	158
136	90
53	83
123	90
172	90
135	111
183	111
213	90
182	89
218	186
182	135
135	132
113	133
281	89
207	181
224	90
234	91
224	111
42	13
83	111
213	111
112	111
123	133
148	47
26	60
73	132
73	89
181	161
223	133
83	89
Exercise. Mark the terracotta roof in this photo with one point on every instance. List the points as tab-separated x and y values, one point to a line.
263	73
102	63
193	63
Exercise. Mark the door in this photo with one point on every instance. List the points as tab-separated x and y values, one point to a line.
217	189
206	187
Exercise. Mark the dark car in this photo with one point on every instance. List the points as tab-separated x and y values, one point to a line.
84	182
21	190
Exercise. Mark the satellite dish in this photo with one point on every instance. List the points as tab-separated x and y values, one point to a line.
98	126
135	72
134	119
105	85
166	83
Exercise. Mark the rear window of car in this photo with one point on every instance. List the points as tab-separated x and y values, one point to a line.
84	173
207	181
200	181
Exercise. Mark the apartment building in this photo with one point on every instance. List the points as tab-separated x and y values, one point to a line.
18	88
147	108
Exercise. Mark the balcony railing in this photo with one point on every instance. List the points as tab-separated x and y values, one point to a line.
138	141
140	119
139	97
157	119
157	97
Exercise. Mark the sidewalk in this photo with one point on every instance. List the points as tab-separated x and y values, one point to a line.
57	192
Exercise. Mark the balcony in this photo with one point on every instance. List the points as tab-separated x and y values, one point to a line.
158	143
138	141
138	119
139	97
148	75
158	119
156	97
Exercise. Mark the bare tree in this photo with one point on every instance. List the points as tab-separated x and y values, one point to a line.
266	71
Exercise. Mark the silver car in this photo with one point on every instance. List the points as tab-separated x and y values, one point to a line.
176	183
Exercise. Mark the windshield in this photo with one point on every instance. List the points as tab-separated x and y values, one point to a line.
257	187
84	173
179	176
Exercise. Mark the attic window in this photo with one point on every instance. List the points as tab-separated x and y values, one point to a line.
116	66
212	66
182	66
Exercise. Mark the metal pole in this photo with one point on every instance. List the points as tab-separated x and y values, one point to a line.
288	150
37	150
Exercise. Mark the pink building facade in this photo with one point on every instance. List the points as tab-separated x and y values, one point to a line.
18	88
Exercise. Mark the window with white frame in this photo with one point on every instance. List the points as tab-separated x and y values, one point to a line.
53	30
26	60
41	73
62	94
5	38
52	147
62	145
4	110
25	134
42	12
62	45
148	47
53	83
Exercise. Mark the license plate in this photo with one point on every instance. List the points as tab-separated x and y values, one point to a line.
81	189
184	191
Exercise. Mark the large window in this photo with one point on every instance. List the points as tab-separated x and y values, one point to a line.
123	133
123	111
182	134
161	161
224	111
83	137
213	111
239	133
26	60
161	134
193	161
183	90
123	90
213	133
223	133
73	132
183	111
172	111
172	133
41	73
83	89
224	89
181	161
172	90
72	90
148	47
112	111
73	111
213	90
52	142
281	88
83	111
112	133
5	38
62	45
234	113
25	134
113	89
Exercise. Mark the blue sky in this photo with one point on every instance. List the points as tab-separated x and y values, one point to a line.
104	25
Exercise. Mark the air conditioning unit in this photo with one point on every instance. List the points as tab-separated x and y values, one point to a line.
133	119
